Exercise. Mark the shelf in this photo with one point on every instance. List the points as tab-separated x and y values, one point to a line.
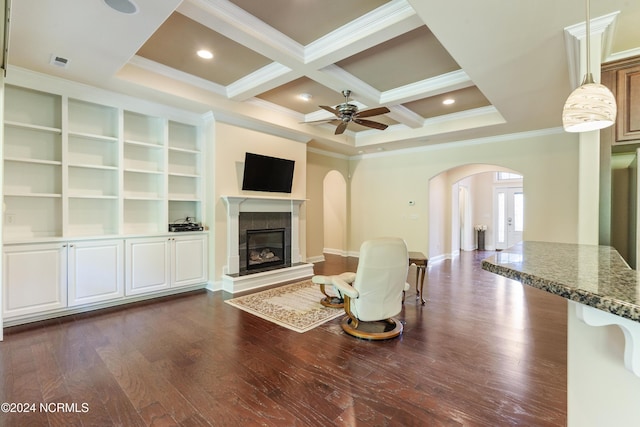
9	193
90	196
183	175
28	107
33	161
95	137
32	178
179	198
97	167
183	150
20	125
144	171
143	129
93	216
32	144
143	144
88	118
142	197
183	137
88	150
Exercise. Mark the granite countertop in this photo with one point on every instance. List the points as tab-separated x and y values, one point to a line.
595	276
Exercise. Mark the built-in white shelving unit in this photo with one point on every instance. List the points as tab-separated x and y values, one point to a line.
87	175
75	168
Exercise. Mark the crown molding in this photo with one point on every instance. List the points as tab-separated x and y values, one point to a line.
574	35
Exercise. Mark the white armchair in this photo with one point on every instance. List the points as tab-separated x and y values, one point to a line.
377	293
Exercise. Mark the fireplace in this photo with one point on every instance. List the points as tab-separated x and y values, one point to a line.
265	248
259	213
264	241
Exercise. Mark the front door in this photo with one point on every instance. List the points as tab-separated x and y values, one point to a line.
509	218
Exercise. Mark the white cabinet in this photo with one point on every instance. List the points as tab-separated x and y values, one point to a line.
188	260
34	279
95	271
44	277
147	266
91	181
155	264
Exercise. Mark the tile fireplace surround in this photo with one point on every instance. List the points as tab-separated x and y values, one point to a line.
232	281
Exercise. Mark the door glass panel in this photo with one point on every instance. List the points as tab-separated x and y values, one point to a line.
518	211
501	217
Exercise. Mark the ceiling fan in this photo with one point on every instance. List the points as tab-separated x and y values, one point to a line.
347	112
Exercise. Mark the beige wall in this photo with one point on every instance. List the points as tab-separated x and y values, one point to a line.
383	185
230	145
318	166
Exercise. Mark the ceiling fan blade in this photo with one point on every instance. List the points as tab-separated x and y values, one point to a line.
330	109
317	122
373	112
341	128
371	124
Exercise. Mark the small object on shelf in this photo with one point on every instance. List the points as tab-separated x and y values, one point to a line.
185	225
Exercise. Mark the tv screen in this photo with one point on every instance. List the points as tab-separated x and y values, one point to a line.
264	173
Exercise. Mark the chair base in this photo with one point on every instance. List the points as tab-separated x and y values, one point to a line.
332	302
379	330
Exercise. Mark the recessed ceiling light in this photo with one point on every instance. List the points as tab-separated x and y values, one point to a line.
305	96
122	6
205	54
449	101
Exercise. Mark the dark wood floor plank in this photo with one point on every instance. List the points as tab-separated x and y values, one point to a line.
484	351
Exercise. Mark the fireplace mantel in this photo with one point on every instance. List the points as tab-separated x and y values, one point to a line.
231	282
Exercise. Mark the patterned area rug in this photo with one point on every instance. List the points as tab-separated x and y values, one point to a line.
295	306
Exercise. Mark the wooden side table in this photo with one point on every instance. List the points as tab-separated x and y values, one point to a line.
420	260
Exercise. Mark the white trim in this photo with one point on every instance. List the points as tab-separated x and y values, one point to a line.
315	259
339	252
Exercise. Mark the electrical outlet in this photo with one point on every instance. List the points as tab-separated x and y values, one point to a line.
9	218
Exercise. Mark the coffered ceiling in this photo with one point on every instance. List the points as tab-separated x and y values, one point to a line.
505	64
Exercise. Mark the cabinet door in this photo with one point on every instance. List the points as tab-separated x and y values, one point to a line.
34	279
628	96
95	271
147	267
189	260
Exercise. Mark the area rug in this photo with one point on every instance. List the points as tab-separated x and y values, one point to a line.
295	306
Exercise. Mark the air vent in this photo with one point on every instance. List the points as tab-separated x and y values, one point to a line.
59	61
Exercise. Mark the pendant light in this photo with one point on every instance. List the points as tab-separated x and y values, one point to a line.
592	105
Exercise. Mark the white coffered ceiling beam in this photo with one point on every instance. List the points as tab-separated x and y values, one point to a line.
385	23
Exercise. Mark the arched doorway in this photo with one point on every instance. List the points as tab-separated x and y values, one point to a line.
463	199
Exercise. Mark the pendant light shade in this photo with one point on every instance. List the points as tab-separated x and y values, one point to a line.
591	106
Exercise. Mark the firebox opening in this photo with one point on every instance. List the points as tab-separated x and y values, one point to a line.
265	248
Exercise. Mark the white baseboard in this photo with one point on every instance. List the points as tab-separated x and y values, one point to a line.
331	251
314	259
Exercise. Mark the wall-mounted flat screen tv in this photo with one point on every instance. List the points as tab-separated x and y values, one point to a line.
264	173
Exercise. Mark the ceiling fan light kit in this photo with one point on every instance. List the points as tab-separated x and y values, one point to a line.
591	106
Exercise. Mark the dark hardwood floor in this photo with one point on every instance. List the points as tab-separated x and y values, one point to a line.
484	351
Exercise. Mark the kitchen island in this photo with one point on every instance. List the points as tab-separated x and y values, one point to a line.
603	337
